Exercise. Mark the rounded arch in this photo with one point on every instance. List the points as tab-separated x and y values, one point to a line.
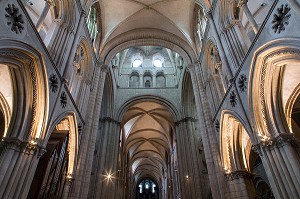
30	85
150	37
266	108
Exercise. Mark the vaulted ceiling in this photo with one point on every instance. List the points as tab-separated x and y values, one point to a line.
173	16
148	137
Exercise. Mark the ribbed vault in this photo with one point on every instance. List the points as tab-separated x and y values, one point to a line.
147	127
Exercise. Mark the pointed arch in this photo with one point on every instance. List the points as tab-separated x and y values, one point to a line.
30	85
266	73
235	143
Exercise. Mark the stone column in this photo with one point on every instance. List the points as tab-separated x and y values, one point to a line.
208	135
80	186
39	23
17	167
219	44
141	81
243	4
190	167
282	164
240	184
154	80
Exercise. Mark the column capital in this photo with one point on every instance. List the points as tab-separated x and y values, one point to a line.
27	147
242	3
238	174
279	141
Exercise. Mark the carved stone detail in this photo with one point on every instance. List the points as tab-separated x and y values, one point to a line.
279	141
238	174
281	19
186	119
63	99
27	147
53	83
242	82
232	99
15	20
109	119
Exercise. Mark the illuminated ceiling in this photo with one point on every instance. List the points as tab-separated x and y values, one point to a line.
173	16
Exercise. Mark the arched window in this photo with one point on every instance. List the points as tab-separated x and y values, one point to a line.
93	22
147	84
137	60
201	25
137	63
147	80
157	63
134	80
160	80
158	60
148	188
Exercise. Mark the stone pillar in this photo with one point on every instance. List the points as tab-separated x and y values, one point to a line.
208	135
154	80
80	186
219	45
190	167
141	81
17	167
282	164
106	160
240	184
39	23
243	4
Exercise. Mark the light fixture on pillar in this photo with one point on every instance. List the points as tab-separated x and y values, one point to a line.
187	177
108	176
